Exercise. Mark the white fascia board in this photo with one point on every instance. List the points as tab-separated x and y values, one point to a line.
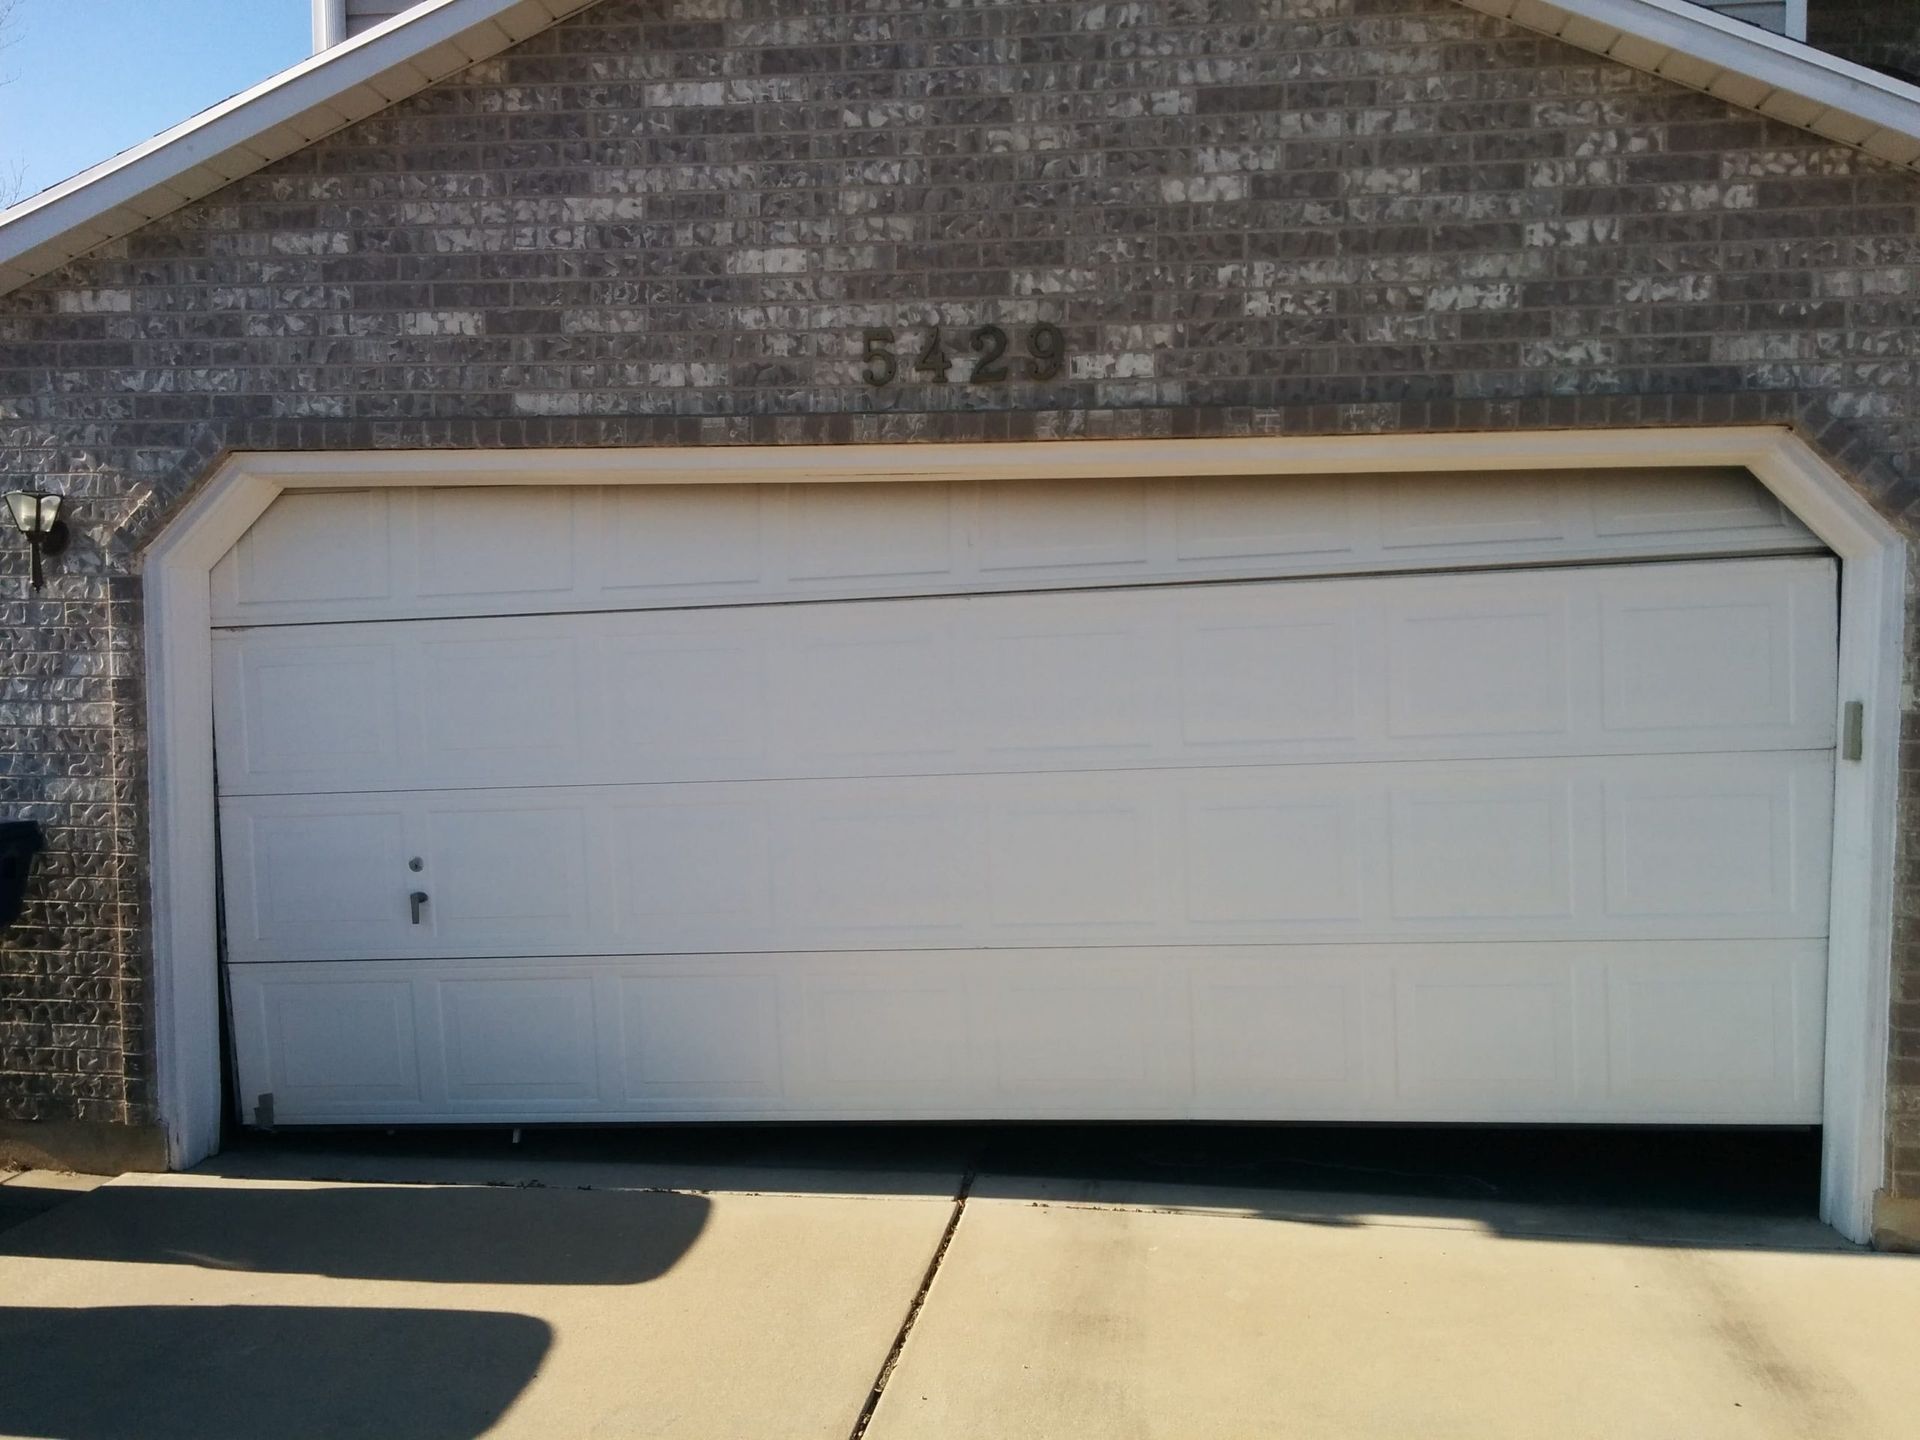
311	99
1822	83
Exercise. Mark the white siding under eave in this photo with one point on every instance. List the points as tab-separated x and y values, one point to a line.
363	15
1774	15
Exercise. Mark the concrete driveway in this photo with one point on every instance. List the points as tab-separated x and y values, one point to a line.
922	1289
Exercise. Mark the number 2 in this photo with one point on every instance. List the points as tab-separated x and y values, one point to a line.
991	343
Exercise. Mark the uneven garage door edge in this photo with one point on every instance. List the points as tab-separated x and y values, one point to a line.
180	682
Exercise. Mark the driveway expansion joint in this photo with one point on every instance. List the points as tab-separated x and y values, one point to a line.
887	1366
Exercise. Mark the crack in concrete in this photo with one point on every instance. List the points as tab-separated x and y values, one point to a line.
887	1366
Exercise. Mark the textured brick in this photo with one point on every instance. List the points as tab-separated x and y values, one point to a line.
1882	33
668	223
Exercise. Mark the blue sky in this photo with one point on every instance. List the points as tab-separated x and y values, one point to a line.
87	78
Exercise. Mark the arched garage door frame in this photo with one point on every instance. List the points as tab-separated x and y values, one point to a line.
185	1000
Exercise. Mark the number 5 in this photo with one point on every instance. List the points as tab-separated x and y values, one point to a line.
878	353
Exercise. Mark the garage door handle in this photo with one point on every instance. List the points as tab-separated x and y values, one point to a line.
415	901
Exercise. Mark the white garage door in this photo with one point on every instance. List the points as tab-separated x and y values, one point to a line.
1233	798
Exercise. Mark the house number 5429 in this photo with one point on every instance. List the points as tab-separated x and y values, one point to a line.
1046	356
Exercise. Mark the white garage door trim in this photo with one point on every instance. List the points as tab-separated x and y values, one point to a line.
180	683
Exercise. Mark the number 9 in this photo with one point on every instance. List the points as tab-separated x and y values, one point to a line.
1048	348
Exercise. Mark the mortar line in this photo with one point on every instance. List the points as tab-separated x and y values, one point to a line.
887	1366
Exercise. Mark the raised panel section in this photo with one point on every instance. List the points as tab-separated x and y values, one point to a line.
1282	856
701	1037
498	542
1500	670
690	863
869	532
873	1033
1742	1030
1249	517
1078	854
1057	526
1280	1036
1079	1029
1249	687
1718	840
311	552
1681	503
500	700
1076	693
500	869
1462	850
519	1041
308	713
1464	512
886	861
326	1041
320	872
680	540
1486	1033
484	550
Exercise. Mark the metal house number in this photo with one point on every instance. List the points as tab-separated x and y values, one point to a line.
1045	358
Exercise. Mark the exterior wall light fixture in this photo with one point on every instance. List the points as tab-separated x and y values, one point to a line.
37	517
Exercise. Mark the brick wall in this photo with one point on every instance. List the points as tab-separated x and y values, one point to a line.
668	222
1882	33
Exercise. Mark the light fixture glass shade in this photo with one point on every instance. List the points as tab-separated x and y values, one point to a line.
34	513
25	506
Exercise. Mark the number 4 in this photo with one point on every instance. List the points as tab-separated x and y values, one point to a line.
933	360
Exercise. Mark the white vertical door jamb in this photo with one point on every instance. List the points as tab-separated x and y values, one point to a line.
186	940
1866	794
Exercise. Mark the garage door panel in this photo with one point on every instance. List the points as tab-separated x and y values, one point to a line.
1690	1031
350	555
1000	816
1646	659
1662	846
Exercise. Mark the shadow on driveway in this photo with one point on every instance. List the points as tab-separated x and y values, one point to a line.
245	1372
434	1235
